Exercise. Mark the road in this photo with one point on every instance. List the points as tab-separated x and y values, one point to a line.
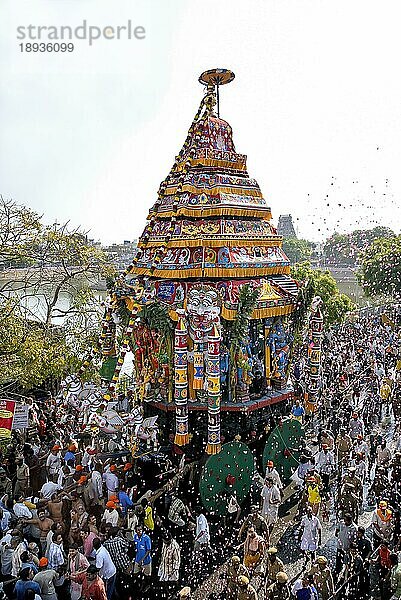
285	538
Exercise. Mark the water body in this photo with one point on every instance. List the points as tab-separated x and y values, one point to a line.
37	307
35	298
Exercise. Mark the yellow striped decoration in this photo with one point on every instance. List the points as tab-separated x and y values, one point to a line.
260	211
206	242
258	313
211	273
215	191
215	162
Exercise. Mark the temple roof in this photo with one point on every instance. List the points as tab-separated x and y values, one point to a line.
210	222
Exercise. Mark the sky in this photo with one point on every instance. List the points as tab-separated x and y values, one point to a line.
88	136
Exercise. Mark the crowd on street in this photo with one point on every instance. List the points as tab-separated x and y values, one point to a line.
83	520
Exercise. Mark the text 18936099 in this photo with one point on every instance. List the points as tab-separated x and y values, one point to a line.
46	47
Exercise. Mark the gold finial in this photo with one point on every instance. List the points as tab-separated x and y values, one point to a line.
213	79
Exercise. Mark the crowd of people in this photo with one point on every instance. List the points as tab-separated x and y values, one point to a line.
83	521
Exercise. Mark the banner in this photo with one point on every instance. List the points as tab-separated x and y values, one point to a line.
6	418
21	416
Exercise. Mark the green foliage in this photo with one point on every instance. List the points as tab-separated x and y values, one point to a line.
110	281
248	297
305	297
39	345
298	250
156	317
344	249
337	249
337	307
19	229
321	283
33	355
380	270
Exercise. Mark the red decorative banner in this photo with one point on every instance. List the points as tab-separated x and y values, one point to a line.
7	408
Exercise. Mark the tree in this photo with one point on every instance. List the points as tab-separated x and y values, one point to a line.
320	283
19	228
33	356
380	270
345	248
337	250
298	250
42	338
45	262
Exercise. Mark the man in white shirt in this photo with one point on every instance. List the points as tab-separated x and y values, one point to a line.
19	545
310	534
270	501
7	546
48	489
325	465
107	569
53	463
110	515
359	464
88	457
272	473
55	554
202	535
20	510
355	426
379	371
361	445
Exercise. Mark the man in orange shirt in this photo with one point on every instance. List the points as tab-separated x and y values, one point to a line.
92	585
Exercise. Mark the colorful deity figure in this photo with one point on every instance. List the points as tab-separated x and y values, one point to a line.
277	337
146	392
282	362
163	377
279	343
243	375
244	362
202	311
146	362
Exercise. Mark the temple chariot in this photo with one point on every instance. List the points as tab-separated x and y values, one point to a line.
208	298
